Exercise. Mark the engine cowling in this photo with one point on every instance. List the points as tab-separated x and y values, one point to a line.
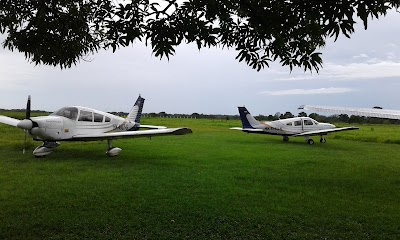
47	128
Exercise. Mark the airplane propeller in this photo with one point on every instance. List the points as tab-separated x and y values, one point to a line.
28	108
27	123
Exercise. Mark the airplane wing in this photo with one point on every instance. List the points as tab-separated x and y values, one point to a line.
325	131
9	121
152	126
248	129
365	112
131	134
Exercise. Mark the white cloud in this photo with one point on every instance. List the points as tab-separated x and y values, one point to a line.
331	90
391	56
373	69
15	72
361	56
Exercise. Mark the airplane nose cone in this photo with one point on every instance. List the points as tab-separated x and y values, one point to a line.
25	124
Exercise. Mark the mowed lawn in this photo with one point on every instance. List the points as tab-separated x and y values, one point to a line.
213	184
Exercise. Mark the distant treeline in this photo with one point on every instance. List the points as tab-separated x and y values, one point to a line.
341	118
23	110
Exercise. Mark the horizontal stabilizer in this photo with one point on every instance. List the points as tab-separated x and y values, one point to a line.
248	129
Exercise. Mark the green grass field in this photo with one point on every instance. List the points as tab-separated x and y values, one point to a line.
213	184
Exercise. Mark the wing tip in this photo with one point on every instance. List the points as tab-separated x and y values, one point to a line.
182	131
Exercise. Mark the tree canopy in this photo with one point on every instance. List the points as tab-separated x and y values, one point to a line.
61	33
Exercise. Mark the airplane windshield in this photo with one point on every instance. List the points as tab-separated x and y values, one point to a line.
68	112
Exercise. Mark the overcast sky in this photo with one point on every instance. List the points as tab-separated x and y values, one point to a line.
363	71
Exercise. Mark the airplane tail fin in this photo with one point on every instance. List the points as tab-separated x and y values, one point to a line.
248	121
136	111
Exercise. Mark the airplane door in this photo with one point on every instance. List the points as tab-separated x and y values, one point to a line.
298	126
308	125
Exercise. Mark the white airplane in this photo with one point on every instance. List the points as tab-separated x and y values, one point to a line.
298	126
77	123
364	112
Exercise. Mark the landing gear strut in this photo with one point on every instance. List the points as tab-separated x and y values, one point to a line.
112	151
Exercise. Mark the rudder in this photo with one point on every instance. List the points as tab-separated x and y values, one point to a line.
136	111
248	121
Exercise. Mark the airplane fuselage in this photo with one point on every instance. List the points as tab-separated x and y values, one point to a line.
292	126
74	121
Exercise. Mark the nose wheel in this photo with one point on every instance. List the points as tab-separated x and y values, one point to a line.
310	141
45	149
322	140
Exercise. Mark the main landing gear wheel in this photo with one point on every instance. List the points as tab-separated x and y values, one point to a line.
112	151
322	140
310	141
286	139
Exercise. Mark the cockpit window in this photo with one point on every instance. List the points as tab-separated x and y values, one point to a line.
98	117
308	122
68	112
85	116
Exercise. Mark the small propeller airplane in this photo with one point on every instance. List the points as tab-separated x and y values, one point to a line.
78	123
298	126
376	112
